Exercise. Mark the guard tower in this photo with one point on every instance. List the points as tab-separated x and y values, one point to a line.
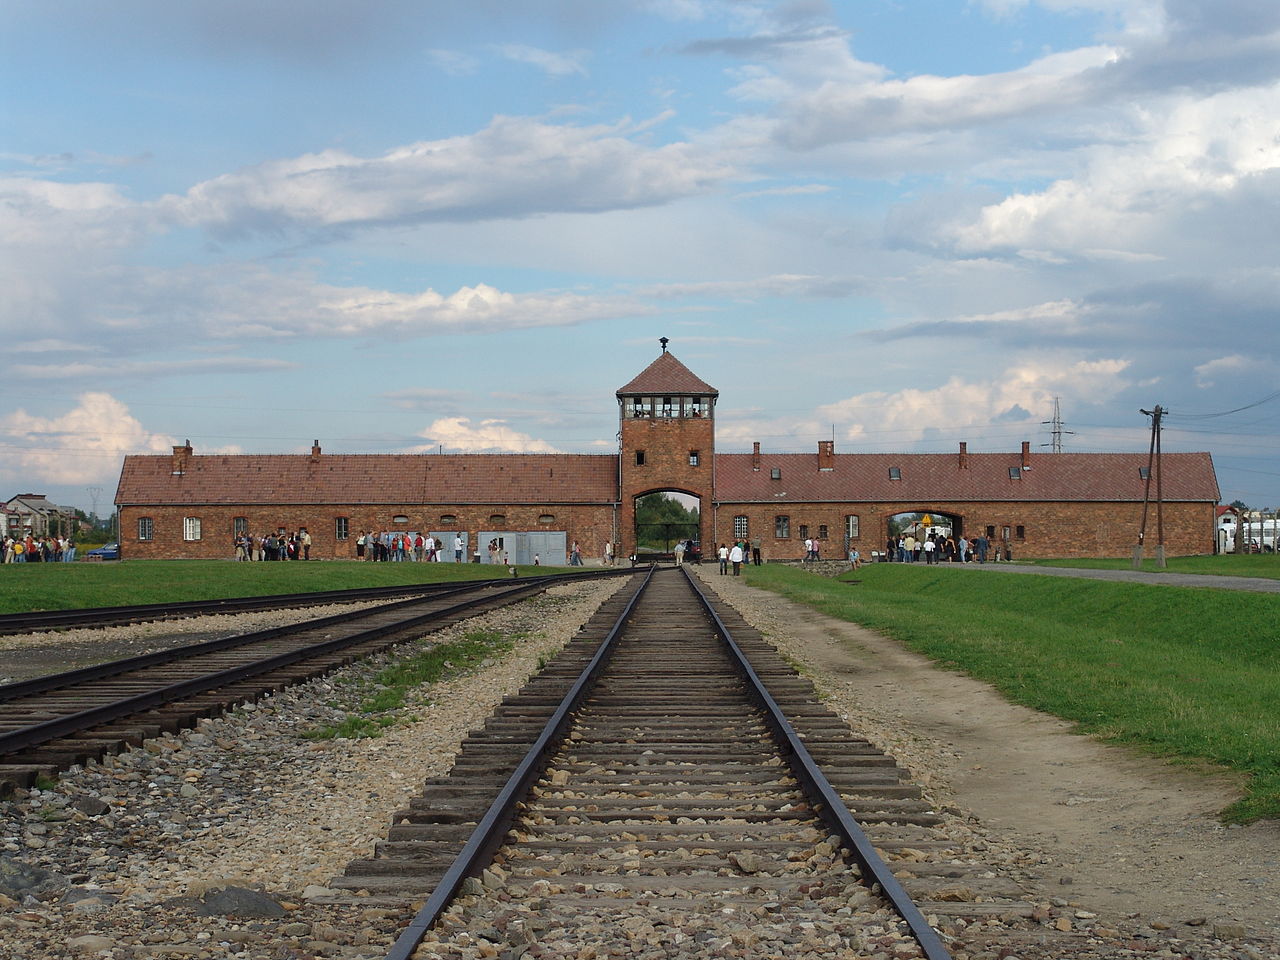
666	435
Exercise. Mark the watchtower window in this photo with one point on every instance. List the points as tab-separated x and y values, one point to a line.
693	458
639	458
669	408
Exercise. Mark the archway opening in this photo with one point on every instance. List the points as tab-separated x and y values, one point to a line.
908	533
666	520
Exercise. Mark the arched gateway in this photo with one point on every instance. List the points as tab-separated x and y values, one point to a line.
1035	505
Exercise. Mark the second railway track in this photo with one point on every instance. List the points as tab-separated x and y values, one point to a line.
52	722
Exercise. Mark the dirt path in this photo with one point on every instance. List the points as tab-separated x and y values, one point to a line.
1120	832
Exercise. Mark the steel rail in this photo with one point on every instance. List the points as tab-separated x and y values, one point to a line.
37	734
826	799
38	620
492	827
100	671
101	616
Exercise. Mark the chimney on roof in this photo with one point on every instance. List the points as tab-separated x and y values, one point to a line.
1026	454
826	454
755	455
181	457
315	451
964	455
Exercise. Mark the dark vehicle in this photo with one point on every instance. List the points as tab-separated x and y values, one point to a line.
108	551
693	551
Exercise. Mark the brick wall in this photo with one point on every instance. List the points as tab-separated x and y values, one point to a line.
666	443
590	525
1049	529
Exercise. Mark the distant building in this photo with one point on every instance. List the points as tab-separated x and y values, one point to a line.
35	514
1032	505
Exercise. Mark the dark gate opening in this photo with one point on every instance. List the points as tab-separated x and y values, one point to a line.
665	520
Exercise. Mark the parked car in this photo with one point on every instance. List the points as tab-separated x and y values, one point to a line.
108	551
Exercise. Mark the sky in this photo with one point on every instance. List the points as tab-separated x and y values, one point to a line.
419	226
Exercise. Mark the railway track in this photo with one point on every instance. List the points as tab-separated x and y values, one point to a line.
40	620
50	723
673	789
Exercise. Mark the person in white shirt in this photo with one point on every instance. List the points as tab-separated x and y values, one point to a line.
735	557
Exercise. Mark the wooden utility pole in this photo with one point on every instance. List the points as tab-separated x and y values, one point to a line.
1153	468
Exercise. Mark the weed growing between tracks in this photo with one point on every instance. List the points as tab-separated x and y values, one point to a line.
384	696
1183	673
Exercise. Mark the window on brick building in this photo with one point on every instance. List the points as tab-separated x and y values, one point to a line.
547	518
1015	473
498	519
448	518
669	409
341	528
1144	472
804	531
895	473
693	458
775	473
400	519
1020	532
1004	533
190	528
741	526
639	458
239	526
822	531
991	531
782	527
851	526
146	528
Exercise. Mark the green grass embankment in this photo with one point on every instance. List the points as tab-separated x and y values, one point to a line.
1265	565
69	586
1183	673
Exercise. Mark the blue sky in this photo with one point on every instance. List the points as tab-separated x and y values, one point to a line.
411	225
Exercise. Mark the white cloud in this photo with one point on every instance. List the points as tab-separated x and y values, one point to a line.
459	434
83	445
1188	158
554	64
1237	369
516	167
1029	386
454	62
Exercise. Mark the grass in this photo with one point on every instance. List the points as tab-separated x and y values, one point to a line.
387	694
1265	565
1182	673
69	586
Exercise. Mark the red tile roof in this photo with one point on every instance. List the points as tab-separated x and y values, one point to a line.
937	477
667	375
371	478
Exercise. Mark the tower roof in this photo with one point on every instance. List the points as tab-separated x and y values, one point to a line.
667	375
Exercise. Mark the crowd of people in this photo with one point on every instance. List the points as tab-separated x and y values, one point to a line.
735	555
937	548
384	547
274	546
47	549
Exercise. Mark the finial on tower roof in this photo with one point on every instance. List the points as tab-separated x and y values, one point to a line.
664	341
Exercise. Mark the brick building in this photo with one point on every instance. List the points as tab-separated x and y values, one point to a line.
1034	505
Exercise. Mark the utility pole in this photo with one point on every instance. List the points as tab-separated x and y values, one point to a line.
1153	468
1057	433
